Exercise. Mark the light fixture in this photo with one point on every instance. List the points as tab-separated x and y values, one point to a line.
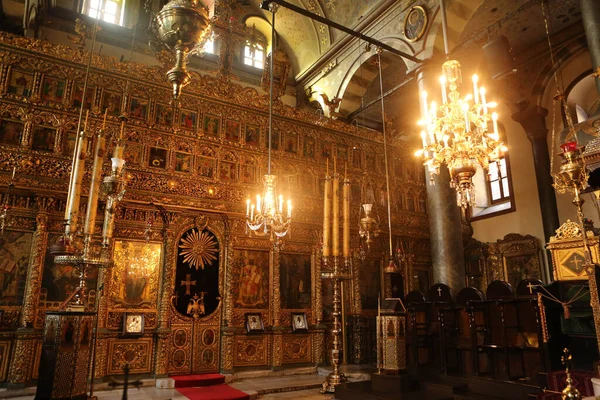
456	133
368	226
266	216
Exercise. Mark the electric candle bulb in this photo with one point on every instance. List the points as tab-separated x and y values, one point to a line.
475	90
443	84
482	93
252	212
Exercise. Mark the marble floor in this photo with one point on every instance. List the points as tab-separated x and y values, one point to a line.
297	387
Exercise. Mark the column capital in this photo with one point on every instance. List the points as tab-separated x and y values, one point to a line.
533	120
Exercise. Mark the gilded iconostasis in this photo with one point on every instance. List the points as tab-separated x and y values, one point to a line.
190	291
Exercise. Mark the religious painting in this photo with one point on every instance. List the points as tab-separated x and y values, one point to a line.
522	265
291	142
21	83
212	125
227	171
415	23
232	130
164	115
295	281
10	132
299	322
248	174
254	323
251	274
206	167
371	162
197	273
43	138
15	248
342	153
133	154
138	108
309	149
188	119
136	273
252	135
112	103
59	281
183	162
133	324
53	89
274	140
325	150
356	158
370	283
158	158
77	96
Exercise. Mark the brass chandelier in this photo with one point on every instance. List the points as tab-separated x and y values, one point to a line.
457	133
266	216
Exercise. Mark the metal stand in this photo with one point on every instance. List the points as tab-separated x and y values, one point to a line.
336	377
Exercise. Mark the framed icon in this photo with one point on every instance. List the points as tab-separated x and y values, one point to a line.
43	138
290	142
133	324
232	130
138	108
309	147
164	115
206	167
183	162
254	323
10	132
158	158
187	119
112	102
53	89
212	125
77	96
252	135
20	83
299	322
415	23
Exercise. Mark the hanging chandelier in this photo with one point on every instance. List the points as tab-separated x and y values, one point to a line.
457	133
266	216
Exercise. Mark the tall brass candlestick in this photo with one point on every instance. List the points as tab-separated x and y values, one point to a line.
74	195
346	215
336	212
327	214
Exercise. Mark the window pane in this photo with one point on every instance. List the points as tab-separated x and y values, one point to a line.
493	171
109	18
503	167
93	13
247	61
247	51
258	54
505	187
258	64
495	186
111	8
94	4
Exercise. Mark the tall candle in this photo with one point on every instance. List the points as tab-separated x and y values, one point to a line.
14	172
92	208
327	216
346	216
335	251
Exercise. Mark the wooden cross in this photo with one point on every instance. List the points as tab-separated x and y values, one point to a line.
188	283
530	287
439	290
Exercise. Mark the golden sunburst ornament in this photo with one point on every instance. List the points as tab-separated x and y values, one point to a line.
198	249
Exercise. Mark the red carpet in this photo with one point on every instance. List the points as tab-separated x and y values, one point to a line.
186	381
217	392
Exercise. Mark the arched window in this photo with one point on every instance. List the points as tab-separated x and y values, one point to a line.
107	10
498	182
254	55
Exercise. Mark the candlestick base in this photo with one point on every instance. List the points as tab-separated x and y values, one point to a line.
334	379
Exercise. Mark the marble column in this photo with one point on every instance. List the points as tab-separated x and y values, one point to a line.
444	215
533	121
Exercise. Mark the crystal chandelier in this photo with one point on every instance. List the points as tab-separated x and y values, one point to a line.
266	216
457	133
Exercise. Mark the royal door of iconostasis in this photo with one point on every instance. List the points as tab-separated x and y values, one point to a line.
198	256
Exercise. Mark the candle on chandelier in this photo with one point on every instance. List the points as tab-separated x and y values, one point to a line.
443	84
485	106
424	138
251	212
247	207
495	122
475	89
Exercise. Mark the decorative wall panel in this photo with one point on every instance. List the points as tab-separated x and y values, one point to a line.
297	349
251	351
136	352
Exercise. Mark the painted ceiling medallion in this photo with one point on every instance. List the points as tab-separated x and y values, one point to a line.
198	249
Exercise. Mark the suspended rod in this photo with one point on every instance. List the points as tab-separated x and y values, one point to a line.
265	6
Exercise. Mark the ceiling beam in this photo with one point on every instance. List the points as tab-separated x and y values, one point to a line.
266	3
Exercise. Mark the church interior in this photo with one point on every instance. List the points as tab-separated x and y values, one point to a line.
299	199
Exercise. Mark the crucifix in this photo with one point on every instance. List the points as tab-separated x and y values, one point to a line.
188	283
576	261
530	287
439	290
